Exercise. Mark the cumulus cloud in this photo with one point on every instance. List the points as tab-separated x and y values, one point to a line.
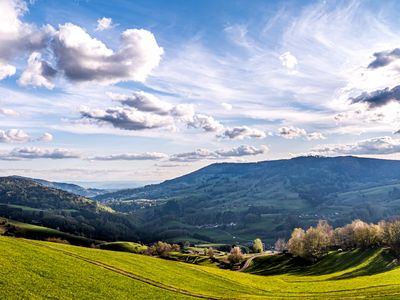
38	72
6	70
384	58
127	118
379	97
104	24
45	137
20	136
315	136
142	110
207	123
292	132
8	112
14	136
36	153
132	156
17	37
184	111
83	58
289	61
378	145
74	53
143	101
201	154
242	132
243	150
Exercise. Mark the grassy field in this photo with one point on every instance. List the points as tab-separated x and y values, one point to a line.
37	270
124	247
42	233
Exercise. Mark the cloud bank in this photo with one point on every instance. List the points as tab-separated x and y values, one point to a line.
292	132
201	154
373	146
39	153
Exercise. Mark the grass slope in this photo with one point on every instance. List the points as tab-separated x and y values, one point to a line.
32	269
42	233
124	247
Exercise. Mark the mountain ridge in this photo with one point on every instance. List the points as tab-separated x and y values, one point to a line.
265	198
68	187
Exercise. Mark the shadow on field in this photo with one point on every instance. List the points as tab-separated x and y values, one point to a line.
373	261
382	262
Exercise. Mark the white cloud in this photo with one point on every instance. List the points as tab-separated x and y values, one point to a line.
373	146
227	153
45	137
242	132
142	110
38	72
243	150
8	112
128	118
292	132
315	136
207	123
20	136
36	153
183	111
143	101
17	37
14	136
83	58
6	70
226	106
132	156
289	61
104	24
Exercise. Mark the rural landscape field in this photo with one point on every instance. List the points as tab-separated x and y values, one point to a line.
67	272
187	149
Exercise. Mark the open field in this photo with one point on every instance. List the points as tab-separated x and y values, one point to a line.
123	247
43	233
63	271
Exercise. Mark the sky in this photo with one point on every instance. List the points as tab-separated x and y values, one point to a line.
143	91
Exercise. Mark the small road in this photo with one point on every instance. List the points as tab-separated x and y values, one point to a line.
248	262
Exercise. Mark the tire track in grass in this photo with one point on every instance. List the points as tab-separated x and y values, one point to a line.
343	294
128	274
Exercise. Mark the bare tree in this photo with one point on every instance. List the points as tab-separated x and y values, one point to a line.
210	252
236	255
296	242
280	245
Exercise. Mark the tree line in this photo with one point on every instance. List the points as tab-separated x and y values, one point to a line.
317	241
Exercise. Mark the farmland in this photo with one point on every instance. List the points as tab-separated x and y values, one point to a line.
63	271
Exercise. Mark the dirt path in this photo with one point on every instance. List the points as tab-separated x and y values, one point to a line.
248	262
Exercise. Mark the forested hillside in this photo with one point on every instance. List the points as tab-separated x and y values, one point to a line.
28	201
265	199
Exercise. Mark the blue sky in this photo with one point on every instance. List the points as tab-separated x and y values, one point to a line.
150	90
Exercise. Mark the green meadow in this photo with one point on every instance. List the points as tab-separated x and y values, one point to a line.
42	270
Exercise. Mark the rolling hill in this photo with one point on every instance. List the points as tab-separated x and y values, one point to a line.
67	272
240	201
68	187
27	201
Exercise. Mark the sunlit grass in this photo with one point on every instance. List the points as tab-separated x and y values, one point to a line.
61	271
